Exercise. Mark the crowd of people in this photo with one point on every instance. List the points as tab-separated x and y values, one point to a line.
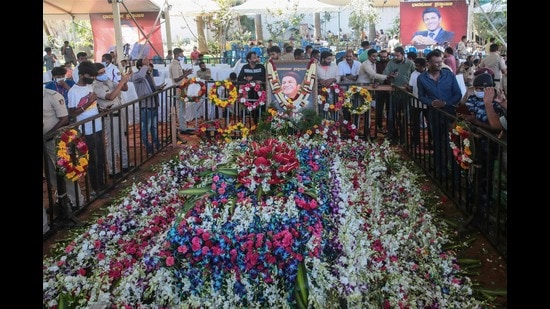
90	88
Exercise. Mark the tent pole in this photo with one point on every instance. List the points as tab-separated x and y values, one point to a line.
118	35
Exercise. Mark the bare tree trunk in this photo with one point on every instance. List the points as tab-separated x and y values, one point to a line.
317	22
258	27
203	47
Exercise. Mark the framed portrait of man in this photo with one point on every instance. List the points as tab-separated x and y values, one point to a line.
291	85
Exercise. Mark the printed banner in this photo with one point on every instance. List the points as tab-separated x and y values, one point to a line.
134	43
431	23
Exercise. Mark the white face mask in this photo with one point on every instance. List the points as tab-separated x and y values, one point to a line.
479	94
59	79
102	77
180	58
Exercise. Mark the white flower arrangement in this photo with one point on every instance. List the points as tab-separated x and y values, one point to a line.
376	245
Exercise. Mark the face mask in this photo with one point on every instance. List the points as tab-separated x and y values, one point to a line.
102	77
59	79
105	64
88	81
479	94
180	58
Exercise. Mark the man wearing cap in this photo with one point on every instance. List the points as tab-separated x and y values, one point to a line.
477	107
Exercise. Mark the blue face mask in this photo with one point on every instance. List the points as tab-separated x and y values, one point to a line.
479	94
106	64
102	77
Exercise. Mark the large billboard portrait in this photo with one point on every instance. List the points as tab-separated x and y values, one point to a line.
135	45
430	23
291	85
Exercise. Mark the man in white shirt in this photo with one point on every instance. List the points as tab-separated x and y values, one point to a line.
327	70
177	74
367	70
349	68
112	71
81	56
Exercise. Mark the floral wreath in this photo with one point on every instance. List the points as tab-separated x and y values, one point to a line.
228	85
243	95
364	93
460	144
323	96
72	155
185	85
305	88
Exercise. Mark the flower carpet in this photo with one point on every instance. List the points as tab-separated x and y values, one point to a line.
278	222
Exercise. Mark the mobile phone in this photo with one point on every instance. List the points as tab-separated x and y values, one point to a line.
127	69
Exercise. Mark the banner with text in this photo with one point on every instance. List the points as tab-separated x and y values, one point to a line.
431	23
134	41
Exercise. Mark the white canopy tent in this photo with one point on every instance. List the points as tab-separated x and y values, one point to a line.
303	6
189	7
253	7
80	9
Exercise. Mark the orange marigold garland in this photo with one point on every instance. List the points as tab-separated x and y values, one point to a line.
459	141
185	85
305	88
72	155
324	94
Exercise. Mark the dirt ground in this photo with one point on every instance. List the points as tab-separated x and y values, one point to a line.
492	275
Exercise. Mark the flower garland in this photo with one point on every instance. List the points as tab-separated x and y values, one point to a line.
243	95
364	93
305	88
460	145
324	94
185	85
227	85
72	155
236	129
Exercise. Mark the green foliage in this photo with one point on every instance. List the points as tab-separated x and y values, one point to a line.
394	30
285	20
492	24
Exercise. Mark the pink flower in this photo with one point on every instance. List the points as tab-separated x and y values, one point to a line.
170	261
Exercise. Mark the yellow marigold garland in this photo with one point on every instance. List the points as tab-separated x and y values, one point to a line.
364	93
185	85
72	155
228	85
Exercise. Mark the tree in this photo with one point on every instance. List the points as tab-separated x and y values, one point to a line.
285	20
493	22
363	14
